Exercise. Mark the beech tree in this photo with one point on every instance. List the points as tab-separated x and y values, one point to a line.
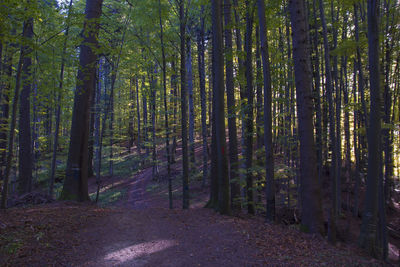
310	194
76	178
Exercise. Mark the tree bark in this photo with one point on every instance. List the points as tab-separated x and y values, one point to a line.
269	156
166	113
311	202
369	228
12	131
202	81
58	109
230	92
76	179
190	95
332	131
185	160
25	147
219	116
249	109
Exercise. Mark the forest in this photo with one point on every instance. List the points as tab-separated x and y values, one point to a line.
199	133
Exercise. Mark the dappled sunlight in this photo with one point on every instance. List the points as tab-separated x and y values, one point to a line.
139	250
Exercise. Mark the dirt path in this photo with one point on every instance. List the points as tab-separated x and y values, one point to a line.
144	233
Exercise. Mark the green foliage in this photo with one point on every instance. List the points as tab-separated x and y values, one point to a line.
110	196
13	244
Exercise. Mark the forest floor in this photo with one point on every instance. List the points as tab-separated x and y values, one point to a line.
136	228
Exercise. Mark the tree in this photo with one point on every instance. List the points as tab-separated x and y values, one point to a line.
185	162
58	109
310	195
269	157
219	108
332	131
249	109
230	93
369	235
76	178
11	135
25	148
164	66
202	82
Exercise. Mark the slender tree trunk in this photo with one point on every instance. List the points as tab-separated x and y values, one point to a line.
219	116
259	120
317	89
356	146
12	131
387	96
91	130
76	180
111	122
58	109
164	66
249	109
338	92
25	148
269	156
153	89
332	131
202	81
230	92
311	201
185	161
190	92
5	106
360	69
131	113
139	134
241	77
97	125
174	86
145	121
369	229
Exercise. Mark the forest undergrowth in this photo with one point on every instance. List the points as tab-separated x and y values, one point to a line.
131	225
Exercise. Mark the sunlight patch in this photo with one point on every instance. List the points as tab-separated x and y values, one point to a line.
139	250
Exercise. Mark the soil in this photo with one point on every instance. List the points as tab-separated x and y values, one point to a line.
140	230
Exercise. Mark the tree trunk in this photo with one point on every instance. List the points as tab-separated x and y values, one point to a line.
311	201
25	148
174	87
76	179
249	109
111	122
269	156
164	66
191	104
369	229
332	131
202	81
5	106
91	131
388	96
219	116
139	138
12	131
131	113
145	123
153	89
58	109
185	160
317	89
230	92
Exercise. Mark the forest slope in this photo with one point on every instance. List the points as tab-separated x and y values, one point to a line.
139	230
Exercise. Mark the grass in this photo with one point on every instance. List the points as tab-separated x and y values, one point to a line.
109	197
